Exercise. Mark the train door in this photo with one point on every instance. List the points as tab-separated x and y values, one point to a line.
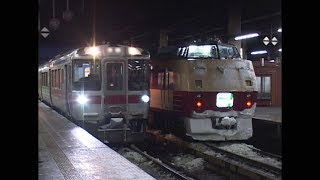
115	93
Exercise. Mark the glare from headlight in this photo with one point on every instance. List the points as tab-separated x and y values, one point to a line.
94	51
145	98
82	99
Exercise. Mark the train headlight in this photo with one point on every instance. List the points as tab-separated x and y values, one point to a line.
82	99
145	98
94	51
133	51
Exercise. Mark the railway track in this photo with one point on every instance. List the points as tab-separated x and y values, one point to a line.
153	165
228	163
165	166
276	170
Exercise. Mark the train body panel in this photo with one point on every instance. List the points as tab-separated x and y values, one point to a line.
213	97
109	90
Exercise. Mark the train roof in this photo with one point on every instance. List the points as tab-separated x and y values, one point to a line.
104	49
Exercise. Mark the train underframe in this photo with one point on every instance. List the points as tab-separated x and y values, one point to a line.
116	129
206	126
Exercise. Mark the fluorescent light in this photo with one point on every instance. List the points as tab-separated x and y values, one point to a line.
259	52
280	50
280	30
246	36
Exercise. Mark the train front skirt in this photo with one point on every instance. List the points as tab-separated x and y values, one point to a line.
220	126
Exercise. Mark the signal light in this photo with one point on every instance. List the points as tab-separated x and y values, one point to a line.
199	104
249	103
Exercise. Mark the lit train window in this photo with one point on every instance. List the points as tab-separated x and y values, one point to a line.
203	51
86	74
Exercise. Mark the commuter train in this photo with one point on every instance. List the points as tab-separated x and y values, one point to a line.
103	86
204	91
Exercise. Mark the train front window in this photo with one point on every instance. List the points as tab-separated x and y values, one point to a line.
202	52
138	75
86	74
114	76
228	52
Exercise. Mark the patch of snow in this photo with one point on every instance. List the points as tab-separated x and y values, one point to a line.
189	162
134	156
245	150
195	165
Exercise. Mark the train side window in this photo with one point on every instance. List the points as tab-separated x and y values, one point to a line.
45	82
42	79
62	78
160	79
51	78
264	87
58	79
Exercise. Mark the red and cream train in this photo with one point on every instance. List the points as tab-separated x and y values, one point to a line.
205	91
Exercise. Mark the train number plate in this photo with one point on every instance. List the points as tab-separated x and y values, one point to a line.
224	100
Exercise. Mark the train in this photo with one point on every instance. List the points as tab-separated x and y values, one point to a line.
203	91
104	86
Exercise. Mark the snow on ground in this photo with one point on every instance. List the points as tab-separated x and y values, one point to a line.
145	164
189	162
246	151
134	156
240	149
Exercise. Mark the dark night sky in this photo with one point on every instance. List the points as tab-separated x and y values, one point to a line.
141	20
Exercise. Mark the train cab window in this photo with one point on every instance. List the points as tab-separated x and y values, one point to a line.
114	76
214	52
202	52
86	74
228	52
138	75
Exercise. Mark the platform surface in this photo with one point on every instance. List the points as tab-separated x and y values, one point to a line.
66	151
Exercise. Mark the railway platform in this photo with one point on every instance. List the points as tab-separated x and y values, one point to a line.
267	129
66	151
272	114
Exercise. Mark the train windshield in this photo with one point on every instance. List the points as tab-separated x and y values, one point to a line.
115	75
87	74
203	51
228	52
194	52
138	70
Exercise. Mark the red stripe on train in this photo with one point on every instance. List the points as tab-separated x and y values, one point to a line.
115	99
121	99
